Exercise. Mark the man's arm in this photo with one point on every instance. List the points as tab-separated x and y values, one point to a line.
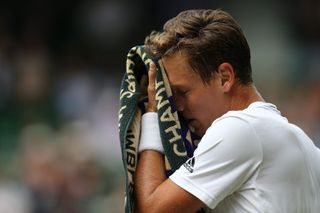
153	191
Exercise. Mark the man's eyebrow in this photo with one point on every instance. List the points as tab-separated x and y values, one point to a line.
178	87
175	86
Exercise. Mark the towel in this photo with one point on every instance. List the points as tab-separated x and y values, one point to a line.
177	140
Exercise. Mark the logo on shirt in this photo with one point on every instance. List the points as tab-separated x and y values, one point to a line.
189	164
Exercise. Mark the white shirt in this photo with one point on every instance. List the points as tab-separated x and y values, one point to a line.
254	161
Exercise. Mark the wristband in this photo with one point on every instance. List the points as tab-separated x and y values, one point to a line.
150	133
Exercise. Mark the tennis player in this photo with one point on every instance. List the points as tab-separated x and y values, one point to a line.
250	158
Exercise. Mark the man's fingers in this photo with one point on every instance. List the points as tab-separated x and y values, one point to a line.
152	89
152	75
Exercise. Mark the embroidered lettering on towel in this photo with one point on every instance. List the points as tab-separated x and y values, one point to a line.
168	119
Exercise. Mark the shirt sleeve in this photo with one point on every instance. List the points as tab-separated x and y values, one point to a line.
227	156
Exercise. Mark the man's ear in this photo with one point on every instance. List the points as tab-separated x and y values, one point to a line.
226	74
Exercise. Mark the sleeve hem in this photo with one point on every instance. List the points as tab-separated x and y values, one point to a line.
194	190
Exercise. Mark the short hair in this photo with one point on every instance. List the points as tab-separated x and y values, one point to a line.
208	38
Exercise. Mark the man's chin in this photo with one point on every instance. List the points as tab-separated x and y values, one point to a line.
199	132
196	130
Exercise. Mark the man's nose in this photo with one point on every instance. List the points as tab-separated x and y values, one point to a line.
179	104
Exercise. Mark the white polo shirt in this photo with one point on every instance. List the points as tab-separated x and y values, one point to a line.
254	161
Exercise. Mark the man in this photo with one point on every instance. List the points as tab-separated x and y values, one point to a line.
250	158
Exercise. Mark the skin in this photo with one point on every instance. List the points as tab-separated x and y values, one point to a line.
200	104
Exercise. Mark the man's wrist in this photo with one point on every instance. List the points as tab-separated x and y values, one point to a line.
150	133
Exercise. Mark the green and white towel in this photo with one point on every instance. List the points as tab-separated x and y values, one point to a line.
178	141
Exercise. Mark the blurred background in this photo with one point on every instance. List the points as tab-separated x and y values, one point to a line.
61	64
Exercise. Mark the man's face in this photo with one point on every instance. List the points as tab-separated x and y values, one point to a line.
199	103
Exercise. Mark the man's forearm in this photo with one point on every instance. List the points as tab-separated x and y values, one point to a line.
150	174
